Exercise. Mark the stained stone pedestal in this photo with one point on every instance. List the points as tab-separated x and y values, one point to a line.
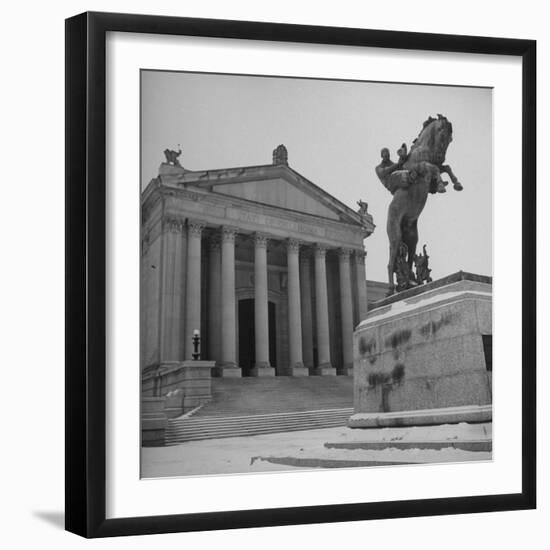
424	356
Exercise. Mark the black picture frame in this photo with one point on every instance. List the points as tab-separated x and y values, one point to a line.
86	273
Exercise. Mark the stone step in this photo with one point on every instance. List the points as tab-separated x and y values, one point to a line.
249	426
258	427
182	438
191	429
255	422
259	417
280	394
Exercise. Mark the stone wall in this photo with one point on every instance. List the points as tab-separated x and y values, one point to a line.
184	385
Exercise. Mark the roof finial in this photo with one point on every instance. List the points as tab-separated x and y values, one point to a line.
280	155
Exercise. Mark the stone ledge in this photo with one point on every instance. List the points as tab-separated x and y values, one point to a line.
474	445
409	293
424	417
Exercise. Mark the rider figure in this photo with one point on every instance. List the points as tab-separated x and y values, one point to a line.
394	177
391	173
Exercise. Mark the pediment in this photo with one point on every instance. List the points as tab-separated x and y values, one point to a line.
276	186
280	193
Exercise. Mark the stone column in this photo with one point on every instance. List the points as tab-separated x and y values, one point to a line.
346	310
261	318
171	333
228	364
296	365
214	302
193	286
324	365
361	278
306	306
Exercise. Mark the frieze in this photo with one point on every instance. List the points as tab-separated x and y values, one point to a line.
291	226
262	219
191	195
209	208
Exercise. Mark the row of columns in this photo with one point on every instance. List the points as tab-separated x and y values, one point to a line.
300	326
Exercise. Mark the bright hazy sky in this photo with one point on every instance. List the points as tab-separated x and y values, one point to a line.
334	131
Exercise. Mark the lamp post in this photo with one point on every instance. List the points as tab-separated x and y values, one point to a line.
196	345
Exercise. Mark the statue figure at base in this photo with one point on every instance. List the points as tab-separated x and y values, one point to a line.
421	267
402	269
410	180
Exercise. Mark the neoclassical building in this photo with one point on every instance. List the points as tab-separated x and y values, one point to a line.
264	263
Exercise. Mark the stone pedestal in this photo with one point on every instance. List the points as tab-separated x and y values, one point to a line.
327	370
262	371
297	371
424	356
226	371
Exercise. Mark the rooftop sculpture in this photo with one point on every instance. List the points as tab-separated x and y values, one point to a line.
172	157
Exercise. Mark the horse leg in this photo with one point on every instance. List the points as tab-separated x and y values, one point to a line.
410	238
446	169
394	247
433	176
439	181
394	236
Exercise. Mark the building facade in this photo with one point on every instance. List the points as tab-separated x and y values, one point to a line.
268	267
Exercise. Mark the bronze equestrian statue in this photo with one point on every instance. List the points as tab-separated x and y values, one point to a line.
409	180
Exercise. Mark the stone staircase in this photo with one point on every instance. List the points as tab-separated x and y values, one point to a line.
254	406
194	429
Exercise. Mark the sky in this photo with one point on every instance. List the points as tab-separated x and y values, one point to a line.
333	131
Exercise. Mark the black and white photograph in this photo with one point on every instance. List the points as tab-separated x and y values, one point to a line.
316	274
275	275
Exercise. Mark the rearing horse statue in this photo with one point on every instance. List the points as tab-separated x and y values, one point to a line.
416	174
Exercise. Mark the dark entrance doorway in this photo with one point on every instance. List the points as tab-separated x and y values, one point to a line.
247	340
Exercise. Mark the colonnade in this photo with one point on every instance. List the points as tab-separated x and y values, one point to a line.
222	320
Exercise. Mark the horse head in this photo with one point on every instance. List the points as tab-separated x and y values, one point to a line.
433	140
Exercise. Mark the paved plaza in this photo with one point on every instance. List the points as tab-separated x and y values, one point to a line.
310	449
